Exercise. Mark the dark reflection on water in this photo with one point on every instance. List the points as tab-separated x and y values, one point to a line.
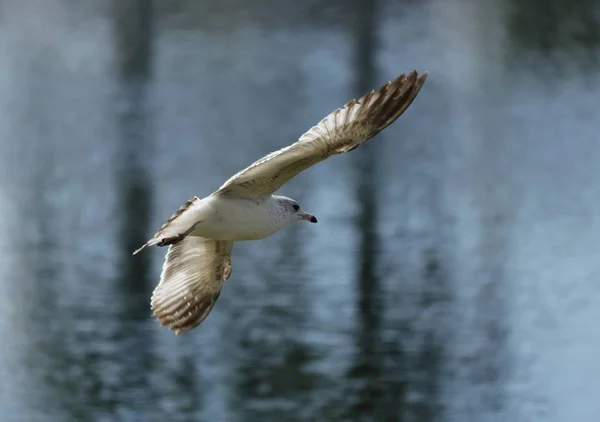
133	55
366	370
453	273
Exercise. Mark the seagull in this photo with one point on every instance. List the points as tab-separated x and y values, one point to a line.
201	233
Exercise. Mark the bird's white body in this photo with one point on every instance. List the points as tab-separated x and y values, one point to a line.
234	218
201	233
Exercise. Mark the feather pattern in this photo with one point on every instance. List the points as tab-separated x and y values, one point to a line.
191	281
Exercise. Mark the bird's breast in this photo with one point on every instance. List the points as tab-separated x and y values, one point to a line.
239	219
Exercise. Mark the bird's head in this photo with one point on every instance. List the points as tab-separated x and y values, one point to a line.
293	211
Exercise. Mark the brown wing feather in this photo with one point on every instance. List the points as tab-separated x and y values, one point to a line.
341	131
190	282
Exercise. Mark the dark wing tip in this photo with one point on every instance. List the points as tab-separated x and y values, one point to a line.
380	108
395	98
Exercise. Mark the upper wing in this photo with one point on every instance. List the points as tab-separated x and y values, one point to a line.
191	281
342	130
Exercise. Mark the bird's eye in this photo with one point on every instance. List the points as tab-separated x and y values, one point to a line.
296	207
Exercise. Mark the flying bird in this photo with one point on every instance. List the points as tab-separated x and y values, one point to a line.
201	233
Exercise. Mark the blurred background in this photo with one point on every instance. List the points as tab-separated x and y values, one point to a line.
453	275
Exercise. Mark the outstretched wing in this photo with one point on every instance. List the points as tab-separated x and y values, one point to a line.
341	131
191	281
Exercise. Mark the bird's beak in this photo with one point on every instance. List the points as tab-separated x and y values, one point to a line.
309	217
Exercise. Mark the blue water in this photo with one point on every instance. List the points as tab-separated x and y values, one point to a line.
483	296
